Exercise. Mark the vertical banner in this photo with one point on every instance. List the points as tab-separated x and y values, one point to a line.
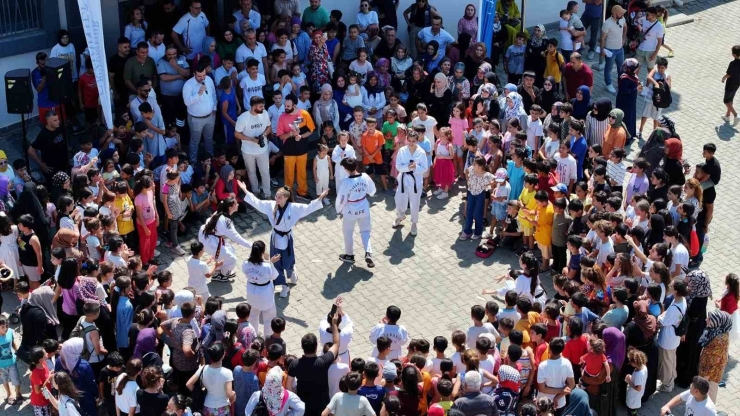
92	24
485	23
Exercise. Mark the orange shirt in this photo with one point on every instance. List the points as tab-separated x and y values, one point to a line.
370	143
426	387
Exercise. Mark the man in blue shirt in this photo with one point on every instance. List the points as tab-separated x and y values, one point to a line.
38	78
434	32
592	16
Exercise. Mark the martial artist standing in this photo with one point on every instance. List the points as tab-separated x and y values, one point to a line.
411	164
352	203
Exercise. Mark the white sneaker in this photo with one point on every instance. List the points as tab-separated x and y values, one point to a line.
413	230
158	243
294	277
611	89
156	253
437	191
487	235
326	201
726	119
179	251
284	291
442	195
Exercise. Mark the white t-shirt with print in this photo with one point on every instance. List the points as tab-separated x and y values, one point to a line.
680	259
252	126
567	168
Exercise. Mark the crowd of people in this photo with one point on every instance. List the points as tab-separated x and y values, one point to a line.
540	163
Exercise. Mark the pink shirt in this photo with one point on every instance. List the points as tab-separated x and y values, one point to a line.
144	203
458	127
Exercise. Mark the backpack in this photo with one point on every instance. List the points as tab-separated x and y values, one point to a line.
682	328
80	332
662	95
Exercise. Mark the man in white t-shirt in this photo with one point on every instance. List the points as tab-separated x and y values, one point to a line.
567	165
251	82
253	129
696	399
190	30
555	376
653	33
429	122
251	49
613	34
389	328
668	341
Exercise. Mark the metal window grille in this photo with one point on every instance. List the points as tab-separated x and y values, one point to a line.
18	17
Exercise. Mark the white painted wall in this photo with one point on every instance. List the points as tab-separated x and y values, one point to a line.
26	60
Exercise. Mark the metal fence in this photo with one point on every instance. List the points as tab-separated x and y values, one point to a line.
19	16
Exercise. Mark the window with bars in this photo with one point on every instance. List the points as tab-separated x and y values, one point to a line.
19	17
28	25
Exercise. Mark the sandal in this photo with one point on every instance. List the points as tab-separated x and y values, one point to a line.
11	401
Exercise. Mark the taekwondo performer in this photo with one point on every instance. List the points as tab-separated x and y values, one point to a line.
342	151
283	215
213	236
411	164
352	203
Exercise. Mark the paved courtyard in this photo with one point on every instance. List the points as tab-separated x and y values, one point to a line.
435	279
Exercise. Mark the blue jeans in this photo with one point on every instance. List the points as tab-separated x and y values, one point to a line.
618	57
474	211
595	24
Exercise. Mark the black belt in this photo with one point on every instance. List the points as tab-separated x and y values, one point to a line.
403	185
260	284
199	116
281	233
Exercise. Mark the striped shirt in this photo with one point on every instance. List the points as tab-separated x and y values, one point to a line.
595	130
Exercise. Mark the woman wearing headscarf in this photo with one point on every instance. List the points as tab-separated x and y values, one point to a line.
640	333
317	61
228	44
468	23
439	100
511	18
208	46
479	77
688	352
430	57
79	370
326	108
654	234
373	96
6	199
61	185
381	68
578	404
28	203
534	57
715	344
473	60
654	149
418	86
616	134
227	185
38	320
339	85
673	162
214	330
581	103
629	87
67	239
597	121
460	85
554	116
615	352
279	400
514	109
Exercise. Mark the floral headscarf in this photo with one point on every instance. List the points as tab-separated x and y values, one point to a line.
59	179
272	392
699	286
537	41
384	78
720	323
86	290
630	68
515	110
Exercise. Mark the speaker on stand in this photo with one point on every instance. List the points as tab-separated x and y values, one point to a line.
19	99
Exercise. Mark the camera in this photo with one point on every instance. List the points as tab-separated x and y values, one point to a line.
261	140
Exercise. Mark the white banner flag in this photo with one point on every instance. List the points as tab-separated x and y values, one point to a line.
92	24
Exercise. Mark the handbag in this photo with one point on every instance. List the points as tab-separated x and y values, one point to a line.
640	38
199	393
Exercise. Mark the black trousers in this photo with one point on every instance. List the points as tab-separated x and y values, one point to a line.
559	258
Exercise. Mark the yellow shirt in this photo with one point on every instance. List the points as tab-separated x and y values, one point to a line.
445	405
528	202
125	225
543	233
552	66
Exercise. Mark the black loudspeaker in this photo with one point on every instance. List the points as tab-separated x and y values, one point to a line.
18	93
59	80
